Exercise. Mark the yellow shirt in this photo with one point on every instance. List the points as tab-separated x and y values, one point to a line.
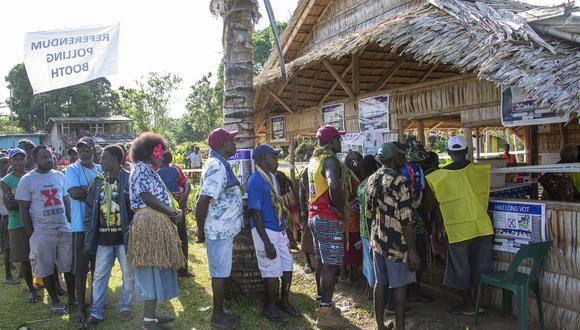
463	197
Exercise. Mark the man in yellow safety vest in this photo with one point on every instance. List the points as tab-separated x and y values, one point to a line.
461	192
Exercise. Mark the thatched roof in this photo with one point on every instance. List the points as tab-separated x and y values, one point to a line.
489	40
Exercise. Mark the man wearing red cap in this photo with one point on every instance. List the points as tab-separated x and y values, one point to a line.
219	212
327	208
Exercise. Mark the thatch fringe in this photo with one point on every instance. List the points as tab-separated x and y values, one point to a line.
489	42
154	242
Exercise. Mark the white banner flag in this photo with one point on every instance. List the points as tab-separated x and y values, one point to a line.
61	58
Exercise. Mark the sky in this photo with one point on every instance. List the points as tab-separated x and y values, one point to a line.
176	36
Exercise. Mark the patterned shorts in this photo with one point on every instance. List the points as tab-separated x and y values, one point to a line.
328	246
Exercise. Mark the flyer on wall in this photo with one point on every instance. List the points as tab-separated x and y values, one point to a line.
374	113
352	141
333	115
374	139
517	224
278	129
518	110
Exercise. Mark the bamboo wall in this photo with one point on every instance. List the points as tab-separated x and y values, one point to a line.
442	99
552	137
560	282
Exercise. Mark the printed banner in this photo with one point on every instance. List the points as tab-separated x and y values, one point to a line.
518	110
373	113
61	58
517	224
278	133
374	139
333	115
352	141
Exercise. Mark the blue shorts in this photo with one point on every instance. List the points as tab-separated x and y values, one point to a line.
328	245
396	274
219	257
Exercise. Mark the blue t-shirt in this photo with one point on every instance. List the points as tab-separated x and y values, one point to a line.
170	177
76	176
260	198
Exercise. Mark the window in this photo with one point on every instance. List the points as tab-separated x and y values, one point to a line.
97	129
65	129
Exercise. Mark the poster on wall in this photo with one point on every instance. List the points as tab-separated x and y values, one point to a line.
242	164
278	129
517	224
333	115
518	110
373	140
374	113
352	141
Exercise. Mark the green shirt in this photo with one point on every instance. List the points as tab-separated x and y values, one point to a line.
364	232
14	221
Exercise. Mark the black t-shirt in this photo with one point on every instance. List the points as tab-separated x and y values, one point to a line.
110	230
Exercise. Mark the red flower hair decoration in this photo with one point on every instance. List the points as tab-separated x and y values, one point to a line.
157	152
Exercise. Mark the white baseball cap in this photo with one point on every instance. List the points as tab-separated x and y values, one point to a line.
456	143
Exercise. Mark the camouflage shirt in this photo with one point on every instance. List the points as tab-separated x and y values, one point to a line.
388	208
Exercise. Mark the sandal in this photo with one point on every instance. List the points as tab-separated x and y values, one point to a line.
164	319
225	323
93	321
278	319
58	309
308	269
32	297
290	310
125	316
11	281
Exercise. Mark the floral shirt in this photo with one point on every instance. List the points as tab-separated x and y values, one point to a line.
388	207
144	179
225	214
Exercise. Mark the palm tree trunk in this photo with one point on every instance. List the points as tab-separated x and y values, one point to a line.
239	17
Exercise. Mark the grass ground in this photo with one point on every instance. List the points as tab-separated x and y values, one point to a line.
193	306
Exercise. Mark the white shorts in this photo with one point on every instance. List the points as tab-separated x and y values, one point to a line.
282	263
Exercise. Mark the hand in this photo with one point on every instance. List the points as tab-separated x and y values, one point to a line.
270	250
176	216
414	261
440	236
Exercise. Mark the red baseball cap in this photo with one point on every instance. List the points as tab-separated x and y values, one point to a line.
218	136
327	133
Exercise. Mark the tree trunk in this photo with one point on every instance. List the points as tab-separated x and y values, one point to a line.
239	69
239	17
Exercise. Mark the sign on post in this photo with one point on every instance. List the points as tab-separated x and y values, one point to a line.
517	224
61	58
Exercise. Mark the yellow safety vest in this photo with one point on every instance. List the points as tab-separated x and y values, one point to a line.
463	197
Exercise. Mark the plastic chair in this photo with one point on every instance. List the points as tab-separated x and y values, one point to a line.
514	282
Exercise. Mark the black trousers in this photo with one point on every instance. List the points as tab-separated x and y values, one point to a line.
182	232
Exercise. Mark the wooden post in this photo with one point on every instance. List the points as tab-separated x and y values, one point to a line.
469	142
421	132
356	73
534	156
478	144
562	135
292	162
401	124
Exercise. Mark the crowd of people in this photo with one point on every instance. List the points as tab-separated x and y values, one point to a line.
101	209
367	216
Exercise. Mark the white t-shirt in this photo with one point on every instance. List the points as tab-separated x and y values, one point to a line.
194	160
45	192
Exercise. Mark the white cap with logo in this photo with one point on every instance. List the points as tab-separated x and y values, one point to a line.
456	143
